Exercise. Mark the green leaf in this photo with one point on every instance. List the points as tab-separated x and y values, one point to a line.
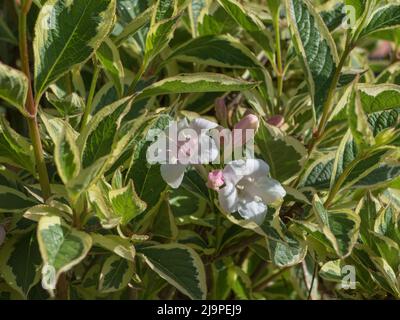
250	23
134	26
126	203
147	177
186	208
348	76
194	183
387	221
97	138
164	9
340	227
12	200
68	105
374	98
368	214
14	149
220	22
20	262
388	281
54	126
196	82
332	271
358	5
61	247
305	280
86	178
358	122
319	173
274	6
381	120
109	58
218	51
315	49
284	154
66	155
164	222
381	174
162	27
13	87
180	266
100	203
66	152
67	33
387	17
387	249
119	246
197	10
284	249
37	212
115	274
6	34
334	17
345	155
362	170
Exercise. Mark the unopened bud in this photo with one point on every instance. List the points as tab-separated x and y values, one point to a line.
276	121
215	180
245	130
248	122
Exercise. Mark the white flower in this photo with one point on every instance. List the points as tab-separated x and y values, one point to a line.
180	145
248	189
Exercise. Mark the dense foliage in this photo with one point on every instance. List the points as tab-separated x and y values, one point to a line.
85	215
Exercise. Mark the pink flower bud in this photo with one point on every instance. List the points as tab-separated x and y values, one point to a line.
383	50
2	234
215	180
276	121
245	129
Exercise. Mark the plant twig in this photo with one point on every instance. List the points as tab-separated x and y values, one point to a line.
31	107
235	248
263	285
89	102
280	69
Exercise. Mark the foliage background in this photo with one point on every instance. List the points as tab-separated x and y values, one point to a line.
81	83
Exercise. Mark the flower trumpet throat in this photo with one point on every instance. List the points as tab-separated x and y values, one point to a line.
248	189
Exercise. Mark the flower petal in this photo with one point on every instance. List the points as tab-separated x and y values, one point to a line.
208	150
238	169
270	190
253	210
228	198
173	174
202	124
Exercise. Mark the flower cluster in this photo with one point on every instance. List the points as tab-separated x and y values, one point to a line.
243	185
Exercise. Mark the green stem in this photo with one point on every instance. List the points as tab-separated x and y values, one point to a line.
262	286
279	74
326	110
138	75
31	106
40	162
331	94
336	188
89	102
